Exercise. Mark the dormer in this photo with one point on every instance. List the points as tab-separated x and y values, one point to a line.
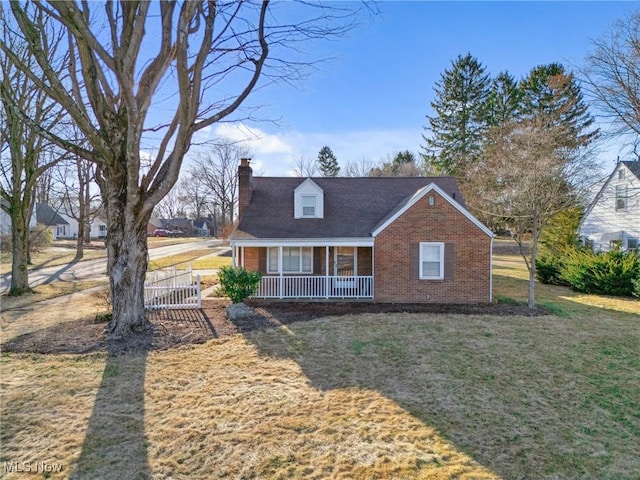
308	200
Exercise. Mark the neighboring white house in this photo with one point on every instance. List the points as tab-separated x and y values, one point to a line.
98	226
614	214
5	219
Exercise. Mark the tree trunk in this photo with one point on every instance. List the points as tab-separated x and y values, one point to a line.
126	265
532	268
20	256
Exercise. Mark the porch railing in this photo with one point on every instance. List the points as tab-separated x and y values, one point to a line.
315	286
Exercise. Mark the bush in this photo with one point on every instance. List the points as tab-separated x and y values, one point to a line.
237	283
548	269
608	273
40	238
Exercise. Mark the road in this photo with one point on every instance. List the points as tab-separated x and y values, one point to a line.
96	269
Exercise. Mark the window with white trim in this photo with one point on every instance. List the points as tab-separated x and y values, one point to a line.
621	197
308	205
431	260
632	243
294	259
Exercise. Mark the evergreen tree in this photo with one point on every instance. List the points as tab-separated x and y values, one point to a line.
550	91
505	99
454	142
328	163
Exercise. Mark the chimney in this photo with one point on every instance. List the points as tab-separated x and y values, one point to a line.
245	174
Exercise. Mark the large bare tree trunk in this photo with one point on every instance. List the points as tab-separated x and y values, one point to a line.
126	264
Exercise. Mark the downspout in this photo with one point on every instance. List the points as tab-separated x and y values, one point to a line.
491	271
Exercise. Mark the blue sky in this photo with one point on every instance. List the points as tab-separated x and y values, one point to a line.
373	97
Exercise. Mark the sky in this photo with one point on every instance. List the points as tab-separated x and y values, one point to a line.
372	97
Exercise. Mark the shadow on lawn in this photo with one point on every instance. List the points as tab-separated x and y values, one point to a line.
115	444
502	390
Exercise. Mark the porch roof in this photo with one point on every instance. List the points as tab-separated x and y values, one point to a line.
353	207
302	242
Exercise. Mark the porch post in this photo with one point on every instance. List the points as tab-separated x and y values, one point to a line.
242	249
233	257
281	281
326	271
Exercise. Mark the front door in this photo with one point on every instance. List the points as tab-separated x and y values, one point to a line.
344	264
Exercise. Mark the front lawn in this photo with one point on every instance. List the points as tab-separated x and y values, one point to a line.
363	396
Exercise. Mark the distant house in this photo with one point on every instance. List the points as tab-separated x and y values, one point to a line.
153	224
47	216
204	227
5	218
614	215
181	225
386	239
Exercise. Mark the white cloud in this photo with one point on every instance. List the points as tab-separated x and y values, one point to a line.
258	141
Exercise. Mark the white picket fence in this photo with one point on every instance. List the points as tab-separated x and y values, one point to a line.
172	289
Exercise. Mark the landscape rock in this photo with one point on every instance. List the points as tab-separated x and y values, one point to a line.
239	310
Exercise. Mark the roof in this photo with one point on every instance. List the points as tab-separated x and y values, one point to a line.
176	222
48	216
633	166
353	206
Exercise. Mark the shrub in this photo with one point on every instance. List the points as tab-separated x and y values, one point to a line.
548	269
607	273
40	238
237	283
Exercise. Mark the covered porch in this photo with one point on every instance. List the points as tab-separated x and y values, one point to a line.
309	270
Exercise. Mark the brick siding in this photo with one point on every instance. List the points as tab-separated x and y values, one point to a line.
396	257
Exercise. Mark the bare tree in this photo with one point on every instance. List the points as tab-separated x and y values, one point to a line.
26	154
306	167
173	205
529	176
217	171
361	168
611	77
122	80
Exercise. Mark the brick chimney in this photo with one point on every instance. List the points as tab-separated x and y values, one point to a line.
245	174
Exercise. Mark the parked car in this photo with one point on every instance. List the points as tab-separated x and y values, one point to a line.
159	232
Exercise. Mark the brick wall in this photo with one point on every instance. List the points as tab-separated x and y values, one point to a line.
396	254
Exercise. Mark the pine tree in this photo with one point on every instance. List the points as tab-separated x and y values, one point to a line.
456	131
328	163
505	99
550	91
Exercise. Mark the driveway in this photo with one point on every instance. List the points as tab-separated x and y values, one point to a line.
96	269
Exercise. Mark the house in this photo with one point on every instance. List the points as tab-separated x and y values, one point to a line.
153	224
47	216
181	225
613	217
204	227
5	218
386	239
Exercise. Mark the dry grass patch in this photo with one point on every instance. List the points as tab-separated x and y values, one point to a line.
220	410
46	292
181	259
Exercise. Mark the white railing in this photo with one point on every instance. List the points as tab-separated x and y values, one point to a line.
172	289
315	286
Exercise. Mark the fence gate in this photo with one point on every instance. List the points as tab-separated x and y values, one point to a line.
172	289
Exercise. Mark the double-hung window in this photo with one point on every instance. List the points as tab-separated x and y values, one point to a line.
431	261
294	260
308	205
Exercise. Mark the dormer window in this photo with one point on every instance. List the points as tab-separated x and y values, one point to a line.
308	199
308	205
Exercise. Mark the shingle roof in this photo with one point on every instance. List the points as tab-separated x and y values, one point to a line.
48	216
353	206
633	166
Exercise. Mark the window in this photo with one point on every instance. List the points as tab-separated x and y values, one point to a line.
621	197
102	228
294	259
632	244
308	206
620	174
431	261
